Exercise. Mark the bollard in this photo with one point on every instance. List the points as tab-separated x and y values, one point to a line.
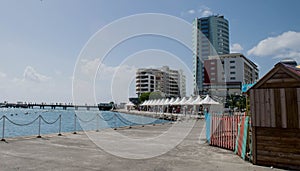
115	123
59	131
75	117
39	136
3	128
97	123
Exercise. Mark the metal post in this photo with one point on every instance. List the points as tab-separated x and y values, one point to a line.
75	117
59	131
97	123
115	123
3	128
39	136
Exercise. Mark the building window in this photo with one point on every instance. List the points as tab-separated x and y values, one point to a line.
232	62
232	67
213	73
212	68
232	72
232	78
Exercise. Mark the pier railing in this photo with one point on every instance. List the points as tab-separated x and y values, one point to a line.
113	120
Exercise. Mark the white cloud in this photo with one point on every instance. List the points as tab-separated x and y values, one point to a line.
89	67
205	11
30	74
2	75
103	84
285	45
236	48
202	11
191	11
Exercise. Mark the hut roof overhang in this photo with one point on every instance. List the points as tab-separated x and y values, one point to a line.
281	76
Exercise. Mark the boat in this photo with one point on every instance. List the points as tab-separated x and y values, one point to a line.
105	106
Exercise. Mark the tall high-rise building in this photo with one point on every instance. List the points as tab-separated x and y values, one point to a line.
210	37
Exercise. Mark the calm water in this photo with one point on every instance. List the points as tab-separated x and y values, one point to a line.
86	120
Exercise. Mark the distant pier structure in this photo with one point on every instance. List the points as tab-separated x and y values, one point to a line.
44	105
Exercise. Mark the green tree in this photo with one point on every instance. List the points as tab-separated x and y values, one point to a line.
155	95
236	101
143	97
150	95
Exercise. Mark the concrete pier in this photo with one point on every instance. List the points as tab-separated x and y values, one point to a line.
78	152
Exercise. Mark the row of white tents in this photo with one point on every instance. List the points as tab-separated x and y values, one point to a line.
186	105
181	101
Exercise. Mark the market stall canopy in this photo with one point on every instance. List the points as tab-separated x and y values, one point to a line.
208	101
153	103
171	101
158	102
161	102
130	104
189	101
149	102
166	102
197	100
144	103
176	102
182	101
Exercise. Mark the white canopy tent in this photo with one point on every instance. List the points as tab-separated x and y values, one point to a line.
176	102
182	101
171	101
208	101
153	102
144	103
197	104
166	102
188	105
213	105
197	100
148	102
129	105
189	101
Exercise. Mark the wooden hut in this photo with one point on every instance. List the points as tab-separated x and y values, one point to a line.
275	112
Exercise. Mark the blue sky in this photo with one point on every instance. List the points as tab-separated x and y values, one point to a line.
40	40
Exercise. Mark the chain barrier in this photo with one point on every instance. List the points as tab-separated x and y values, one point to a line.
97	116
40	118
50	123
18	124
106	120
134	123
125	121
86	121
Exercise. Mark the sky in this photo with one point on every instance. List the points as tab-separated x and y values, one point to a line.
47	44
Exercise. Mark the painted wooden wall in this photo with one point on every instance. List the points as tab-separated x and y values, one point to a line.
275	108
275	114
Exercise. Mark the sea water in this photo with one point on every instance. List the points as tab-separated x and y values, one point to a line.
26	122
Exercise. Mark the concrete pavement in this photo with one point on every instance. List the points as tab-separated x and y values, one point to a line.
78	152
